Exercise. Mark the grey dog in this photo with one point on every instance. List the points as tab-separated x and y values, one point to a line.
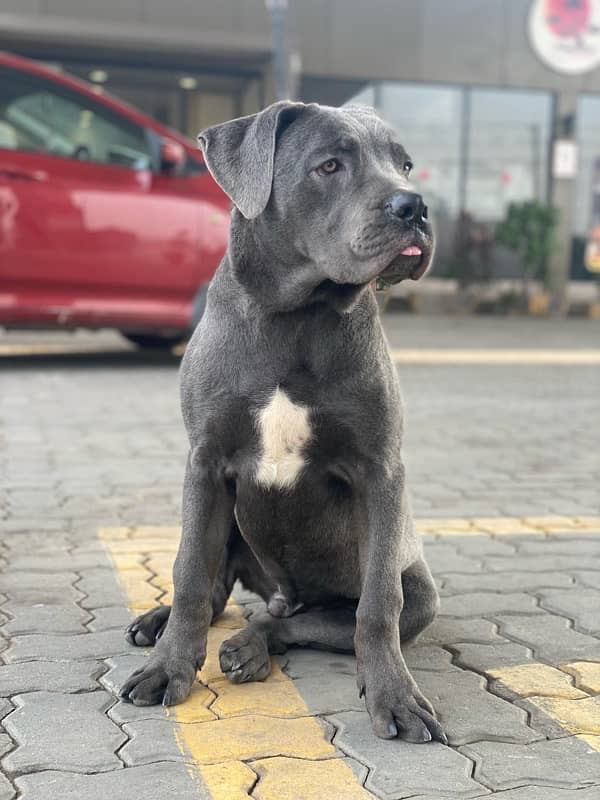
294	482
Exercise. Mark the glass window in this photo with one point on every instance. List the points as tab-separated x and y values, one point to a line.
508	141
428	121
586	219
429	124
587	193
37	117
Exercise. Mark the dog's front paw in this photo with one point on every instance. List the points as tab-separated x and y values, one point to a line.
245	657
147	629
397	708
161	680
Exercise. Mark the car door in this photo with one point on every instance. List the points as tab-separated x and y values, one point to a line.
83	239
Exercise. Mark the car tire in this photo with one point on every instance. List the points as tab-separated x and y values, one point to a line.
151	341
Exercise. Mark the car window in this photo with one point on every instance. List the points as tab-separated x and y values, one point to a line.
36	117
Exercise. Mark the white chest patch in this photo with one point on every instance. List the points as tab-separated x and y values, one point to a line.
284	430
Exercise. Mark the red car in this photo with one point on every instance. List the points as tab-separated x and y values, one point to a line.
107	218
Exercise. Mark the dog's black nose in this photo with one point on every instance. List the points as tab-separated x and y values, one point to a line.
407	206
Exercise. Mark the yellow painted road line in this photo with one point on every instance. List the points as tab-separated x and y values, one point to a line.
550	689
495	356
52	348
233	734
508	526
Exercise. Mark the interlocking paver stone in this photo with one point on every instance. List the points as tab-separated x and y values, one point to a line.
567	545
507	582
476	604
304	662
63	731
50	676
59	563
7	792
329	692
588	578
291	778
244	738
550	637
6	744
552	716
477	546
427	657
399	769
101	589
29	588
105	619
533	563
443	558
545	793
468	712
121	666
446	630
67	648
561	762
587	675
45	618
154	781
579	604
485	657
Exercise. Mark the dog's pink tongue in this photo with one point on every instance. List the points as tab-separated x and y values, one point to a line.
411	251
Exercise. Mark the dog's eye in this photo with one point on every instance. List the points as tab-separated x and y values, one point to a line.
328	167
408	165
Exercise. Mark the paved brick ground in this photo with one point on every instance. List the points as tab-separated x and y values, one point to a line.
504	466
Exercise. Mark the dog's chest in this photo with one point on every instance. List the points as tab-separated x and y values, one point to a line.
284	430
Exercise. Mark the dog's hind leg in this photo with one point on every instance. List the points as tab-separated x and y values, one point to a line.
245	656
421	601
147	629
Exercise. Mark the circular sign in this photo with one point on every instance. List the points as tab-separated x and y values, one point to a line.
565	34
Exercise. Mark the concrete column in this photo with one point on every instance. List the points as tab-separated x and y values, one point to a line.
562	191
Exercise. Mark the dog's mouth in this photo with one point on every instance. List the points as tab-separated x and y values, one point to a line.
410	263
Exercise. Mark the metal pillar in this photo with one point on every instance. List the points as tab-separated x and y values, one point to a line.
285	61
562	196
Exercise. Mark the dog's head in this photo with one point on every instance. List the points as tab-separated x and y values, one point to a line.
325	189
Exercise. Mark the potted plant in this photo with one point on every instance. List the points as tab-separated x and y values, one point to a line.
528	229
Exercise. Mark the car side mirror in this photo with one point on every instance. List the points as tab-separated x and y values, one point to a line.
172	156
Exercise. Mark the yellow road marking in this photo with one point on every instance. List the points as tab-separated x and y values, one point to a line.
400	355
508	526
537	680
51	349
578	713
222	725
586	674
496	356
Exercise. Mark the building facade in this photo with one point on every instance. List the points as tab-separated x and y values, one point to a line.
480	90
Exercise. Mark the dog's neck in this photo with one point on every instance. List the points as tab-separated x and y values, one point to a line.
277	281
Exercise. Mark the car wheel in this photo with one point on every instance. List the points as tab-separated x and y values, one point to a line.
151	341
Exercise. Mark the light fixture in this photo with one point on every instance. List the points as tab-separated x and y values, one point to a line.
98	76
188	82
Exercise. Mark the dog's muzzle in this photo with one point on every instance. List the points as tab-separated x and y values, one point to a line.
414	255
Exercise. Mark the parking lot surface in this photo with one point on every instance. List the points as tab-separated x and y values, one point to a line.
503	459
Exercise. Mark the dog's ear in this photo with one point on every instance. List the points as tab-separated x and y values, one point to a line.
240	154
